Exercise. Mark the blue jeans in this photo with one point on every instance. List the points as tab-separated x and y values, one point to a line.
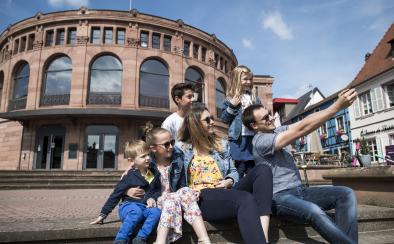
131	213
308	205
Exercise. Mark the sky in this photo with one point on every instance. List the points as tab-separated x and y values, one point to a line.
303	43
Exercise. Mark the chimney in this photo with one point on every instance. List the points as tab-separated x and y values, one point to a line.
367	55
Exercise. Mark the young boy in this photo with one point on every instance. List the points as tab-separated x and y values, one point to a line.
132	210
183	95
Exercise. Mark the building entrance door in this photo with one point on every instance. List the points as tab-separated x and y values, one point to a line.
49	148
101	147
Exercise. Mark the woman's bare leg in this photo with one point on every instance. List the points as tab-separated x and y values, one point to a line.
265	222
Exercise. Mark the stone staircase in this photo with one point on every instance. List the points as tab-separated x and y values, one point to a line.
12	180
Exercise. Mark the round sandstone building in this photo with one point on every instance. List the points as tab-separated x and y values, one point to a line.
76	85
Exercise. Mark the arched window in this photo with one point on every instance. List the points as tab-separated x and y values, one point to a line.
57	82
21	82
194	77
154	84
220	95
105	81
1	85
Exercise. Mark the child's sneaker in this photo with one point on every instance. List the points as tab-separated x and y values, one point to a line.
139	240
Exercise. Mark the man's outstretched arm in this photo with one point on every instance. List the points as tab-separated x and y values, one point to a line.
313	121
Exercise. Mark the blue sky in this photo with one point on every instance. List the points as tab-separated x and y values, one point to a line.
299	43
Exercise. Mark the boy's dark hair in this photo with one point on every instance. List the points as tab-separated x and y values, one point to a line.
178	90
248	116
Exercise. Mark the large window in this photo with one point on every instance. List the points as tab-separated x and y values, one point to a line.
95	35
72	36
156	40
186	48
220	96
195	51
57	83
167	43
193	76
21	82
108	35
154	83
340	123
105	80
60	34
366	103
390	94
120	36
49	38
144	39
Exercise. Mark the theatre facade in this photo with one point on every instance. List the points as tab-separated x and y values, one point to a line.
76	85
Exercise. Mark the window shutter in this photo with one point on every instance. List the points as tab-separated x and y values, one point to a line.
356	108
379	98
374	100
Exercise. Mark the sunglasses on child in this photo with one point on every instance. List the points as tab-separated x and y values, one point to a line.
209	119
167	144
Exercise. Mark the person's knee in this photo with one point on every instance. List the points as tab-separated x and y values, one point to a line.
347	194
245	199
314	213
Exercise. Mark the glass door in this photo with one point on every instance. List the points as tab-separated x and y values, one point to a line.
101	147
49	148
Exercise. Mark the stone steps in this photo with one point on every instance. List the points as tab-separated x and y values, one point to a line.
14	180
58	179
371	219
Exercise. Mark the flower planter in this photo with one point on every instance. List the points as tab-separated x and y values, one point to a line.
366	160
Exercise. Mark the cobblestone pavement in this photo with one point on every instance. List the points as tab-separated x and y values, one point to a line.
51	209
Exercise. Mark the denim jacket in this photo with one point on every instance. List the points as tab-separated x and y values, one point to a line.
177	176
232	115
226	164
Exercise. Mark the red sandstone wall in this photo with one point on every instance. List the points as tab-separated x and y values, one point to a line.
10	141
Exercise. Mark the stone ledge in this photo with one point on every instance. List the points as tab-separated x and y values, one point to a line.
371	218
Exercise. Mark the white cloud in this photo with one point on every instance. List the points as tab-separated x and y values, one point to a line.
247	43
274	22
68	3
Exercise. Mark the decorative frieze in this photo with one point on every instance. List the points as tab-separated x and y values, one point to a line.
133	42
177	50
82	40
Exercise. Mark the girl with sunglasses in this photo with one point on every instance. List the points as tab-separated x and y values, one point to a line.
176	198
210	170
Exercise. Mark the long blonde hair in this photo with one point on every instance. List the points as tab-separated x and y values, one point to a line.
193	132
235	87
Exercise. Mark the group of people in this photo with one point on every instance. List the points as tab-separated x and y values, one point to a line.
184	170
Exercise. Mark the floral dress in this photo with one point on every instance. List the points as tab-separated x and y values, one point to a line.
203	173
173	203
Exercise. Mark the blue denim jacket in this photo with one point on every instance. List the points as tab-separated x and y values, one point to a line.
226	164
232	115
177	175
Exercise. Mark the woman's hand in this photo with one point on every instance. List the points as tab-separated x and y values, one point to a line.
150	203
135	192
226	184
99	220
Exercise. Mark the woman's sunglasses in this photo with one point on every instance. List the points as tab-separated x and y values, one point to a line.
209	119
167	144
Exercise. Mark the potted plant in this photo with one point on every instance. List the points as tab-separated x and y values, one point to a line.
365	153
